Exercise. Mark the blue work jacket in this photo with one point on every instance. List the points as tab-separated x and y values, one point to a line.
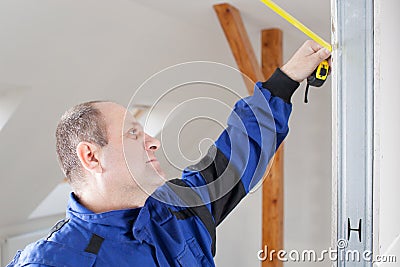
177	224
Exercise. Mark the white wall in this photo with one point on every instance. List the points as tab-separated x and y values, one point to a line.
388	111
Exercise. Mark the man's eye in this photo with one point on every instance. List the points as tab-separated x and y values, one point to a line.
132	132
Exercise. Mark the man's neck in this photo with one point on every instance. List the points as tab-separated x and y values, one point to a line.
99	203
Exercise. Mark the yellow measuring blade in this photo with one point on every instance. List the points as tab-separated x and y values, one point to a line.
292	20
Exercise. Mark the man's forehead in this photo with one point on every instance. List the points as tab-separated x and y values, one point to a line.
131	122
112	107
116	114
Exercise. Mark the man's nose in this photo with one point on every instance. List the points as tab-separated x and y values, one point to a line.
151	143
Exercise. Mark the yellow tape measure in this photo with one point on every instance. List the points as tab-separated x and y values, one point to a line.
320	74
292	20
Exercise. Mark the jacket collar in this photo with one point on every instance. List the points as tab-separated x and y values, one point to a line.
111	222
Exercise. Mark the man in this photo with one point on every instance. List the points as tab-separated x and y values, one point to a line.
112	220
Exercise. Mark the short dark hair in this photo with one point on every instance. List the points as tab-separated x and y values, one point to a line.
83	122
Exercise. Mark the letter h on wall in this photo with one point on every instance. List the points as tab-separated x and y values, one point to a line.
349	229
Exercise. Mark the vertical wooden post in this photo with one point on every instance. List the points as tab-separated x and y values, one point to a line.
272	199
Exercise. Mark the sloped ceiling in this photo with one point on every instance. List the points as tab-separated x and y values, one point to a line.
67	52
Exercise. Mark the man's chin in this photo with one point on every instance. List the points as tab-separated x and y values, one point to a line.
151	181
158	178
161	174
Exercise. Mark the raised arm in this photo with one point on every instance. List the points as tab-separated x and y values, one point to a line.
256	127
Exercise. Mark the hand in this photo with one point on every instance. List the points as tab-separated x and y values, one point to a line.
305	61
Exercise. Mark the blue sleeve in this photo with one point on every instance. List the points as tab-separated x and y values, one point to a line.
15	262
256	128
239	157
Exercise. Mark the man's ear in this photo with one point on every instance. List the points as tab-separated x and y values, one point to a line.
89	156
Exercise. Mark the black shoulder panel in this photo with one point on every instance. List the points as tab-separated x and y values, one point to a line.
223	183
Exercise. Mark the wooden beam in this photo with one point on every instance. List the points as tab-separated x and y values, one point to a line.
235	32
272	199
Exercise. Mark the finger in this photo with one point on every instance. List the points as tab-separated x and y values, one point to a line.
313	46
322	54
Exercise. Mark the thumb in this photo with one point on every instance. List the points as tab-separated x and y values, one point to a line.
321	54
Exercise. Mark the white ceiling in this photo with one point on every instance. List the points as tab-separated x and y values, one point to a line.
68	51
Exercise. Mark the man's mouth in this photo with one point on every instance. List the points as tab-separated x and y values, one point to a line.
152	160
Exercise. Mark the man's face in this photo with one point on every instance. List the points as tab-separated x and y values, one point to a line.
129	158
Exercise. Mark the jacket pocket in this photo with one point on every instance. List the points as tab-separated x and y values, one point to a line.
192	255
